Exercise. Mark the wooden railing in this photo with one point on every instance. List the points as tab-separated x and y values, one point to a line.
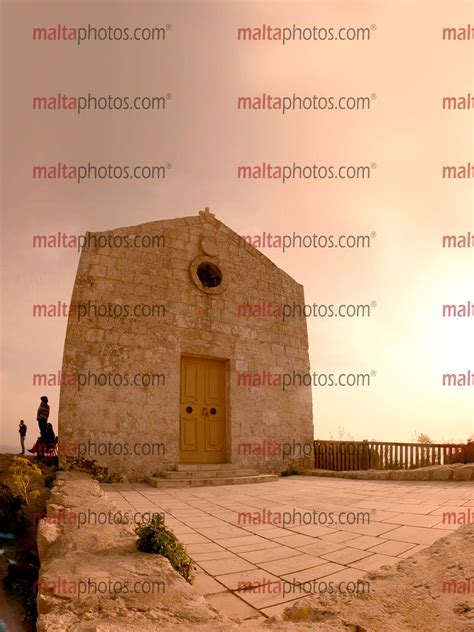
343	456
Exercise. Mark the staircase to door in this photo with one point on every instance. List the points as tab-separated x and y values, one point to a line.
202	431
217	474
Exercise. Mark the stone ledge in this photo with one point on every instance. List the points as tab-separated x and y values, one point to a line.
455	472
202	481
105	555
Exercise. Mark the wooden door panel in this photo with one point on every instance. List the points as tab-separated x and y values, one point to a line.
214	434
190	382
188	434
213	384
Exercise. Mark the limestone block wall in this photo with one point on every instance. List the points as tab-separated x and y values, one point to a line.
194	322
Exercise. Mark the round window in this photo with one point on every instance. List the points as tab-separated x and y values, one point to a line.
209	274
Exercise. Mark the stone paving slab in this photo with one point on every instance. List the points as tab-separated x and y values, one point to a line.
295	540
235	581
391	547
246	548
207	585
283	562
211	556
374	562
346	555
269	555
319	547
315	572
232	606
365	542
297	562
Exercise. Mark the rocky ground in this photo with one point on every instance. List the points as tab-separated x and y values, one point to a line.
454	472
406	597
17	599
413	595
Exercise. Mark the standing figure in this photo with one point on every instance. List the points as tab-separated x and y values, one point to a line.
42	415
49	436
22	428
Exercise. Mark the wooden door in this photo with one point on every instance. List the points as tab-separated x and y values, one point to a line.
202	434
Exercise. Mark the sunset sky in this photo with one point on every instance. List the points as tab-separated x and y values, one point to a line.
406	202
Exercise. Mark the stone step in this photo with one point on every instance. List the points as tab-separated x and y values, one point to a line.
203	474
193	482
205	467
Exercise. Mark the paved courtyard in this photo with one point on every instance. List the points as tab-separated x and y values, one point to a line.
251	565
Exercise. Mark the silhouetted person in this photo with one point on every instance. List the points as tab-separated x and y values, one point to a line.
39	446
22	428
45	442
49	437
42	415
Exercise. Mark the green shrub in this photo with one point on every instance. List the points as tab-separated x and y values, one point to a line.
98	472
49	480
289	472
154	537
292	468
12	516
24	473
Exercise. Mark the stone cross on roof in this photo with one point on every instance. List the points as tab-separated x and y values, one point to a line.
206	214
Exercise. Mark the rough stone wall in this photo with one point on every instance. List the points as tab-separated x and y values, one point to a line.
195	322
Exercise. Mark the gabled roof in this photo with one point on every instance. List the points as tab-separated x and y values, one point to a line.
204	217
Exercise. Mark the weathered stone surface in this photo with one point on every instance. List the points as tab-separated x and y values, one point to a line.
421	474
463	473
196	322
456	472
442	474
398	475
425	592
93	577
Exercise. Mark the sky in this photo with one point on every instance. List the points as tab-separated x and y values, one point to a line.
202	68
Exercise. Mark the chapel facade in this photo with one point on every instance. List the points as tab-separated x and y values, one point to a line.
179	347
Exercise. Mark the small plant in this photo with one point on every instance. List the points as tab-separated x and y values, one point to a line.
293	467
341	435
155	537
12	517
289	472
49	480
24	472
97	471
421	437
426	459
